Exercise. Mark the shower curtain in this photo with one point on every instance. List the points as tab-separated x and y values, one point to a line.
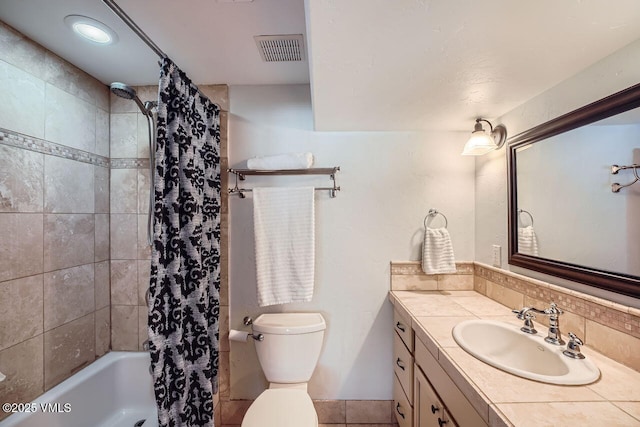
185	266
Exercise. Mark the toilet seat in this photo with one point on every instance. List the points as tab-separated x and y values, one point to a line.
281	407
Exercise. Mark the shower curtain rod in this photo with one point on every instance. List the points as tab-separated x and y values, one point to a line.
111	4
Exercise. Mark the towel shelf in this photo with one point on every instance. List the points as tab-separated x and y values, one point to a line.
241	175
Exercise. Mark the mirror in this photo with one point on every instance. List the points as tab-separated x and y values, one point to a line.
572	213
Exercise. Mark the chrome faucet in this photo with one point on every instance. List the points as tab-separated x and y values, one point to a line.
554	336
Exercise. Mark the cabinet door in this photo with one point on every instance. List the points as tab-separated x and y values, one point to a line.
428	408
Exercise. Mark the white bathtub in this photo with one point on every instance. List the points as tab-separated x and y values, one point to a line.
115	390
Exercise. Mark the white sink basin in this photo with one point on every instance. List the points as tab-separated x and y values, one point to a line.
505	347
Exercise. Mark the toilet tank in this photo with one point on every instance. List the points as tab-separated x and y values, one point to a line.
291	346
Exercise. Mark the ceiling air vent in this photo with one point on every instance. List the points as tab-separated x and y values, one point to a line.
281	48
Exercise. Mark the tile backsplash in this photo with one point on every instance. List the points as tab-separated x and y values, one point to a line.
610	328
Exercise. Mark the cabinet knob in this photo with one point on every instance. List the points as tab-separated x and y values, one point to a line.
400	326
442	422
434	409
400	364
398	411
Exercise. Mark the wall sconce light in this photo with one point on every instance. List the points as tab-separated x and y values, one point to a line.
482	142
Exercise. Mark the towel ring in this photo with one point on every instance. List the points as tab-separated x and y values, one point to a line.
522	211
433	212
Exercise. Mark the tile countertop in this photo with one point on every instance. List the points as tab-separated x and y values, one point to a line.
503	399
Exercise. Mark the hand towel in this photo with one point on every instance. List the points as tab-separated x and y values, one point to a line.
282	161
527	241
284	227
437	252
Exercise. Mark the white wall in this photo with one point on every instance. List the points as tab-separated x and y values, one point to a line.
612	74
389	181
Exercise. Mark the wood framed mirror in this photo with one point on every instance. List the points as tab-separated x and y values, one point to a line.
565	217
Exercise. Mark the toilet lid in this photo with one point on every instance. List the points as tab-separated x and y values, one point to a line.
281	407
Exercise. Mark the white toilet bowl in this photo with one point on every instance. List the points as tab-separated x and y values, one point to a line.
288	355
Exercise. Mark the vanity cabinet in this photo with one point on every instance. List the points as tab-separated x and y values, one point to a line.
403	364
424	395
429	411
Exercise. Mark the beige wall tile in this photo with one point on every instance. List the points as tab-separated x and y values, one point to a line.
124	327
67	349
124	282
505	296
68	295
21	250
18	50
414	282
124	191
143	333
142	137
124	133
103	331
331	411
124	238
455	282
20	310
121	105
101	237
218	94
614	344
76	82
102	279
101	192
68	186
144	250
69	120
102	132
73	232
21	92
368	411
21	186
23	366
144	186
144	271
480	285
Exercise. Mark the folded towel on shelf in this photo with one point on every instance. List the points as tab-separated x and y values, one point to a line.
284	227
527	241
282	161
437	252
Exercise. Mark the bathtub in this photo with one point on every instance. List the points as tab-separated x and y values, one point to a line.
115	390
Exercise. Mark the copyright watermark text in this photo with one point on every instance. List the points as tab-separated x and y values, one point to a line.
11	408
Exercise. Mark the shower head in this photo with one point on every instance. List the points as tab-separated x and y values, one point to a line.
127	92
122	90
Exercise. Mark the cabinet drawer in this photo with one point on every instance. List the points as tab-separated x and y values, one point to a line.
403	327
401	407
403	366
456	402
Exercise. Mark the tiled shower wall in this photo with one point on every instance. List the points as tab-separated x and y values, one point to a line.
54	218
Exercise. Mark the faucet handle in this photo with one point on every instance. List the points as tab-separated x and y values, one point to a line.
553	309
573	347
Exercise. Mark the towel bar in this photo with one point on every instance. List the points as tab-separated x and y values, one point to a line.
242	173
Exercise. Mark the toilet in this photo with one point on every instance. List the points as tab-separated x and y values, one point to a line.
288	355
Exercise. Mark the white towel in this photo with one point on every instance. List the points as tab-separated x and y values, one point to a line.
284	227
282	161
437	252
527	241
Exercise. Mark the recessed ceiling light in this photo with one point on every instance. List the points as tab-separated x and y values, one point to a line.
91	30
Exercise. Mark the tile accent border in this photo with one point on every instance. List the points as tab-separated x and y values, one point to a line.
616	316
129	163
26	142
408	276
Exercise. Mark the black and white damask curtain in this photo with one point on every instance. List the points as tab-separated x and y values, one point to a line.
185	266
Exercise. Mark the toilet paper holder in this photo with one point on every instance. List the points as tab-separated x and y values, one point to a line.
248	321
